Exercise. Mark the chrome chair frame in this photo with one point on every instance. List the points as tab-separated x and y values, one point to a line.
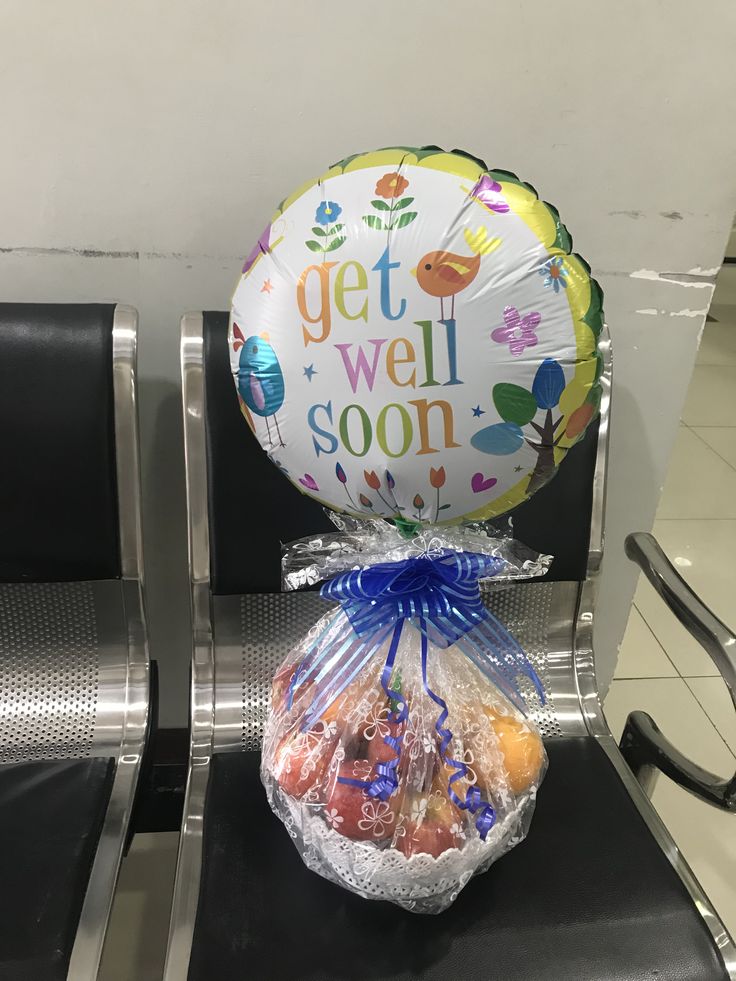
110	658
226	716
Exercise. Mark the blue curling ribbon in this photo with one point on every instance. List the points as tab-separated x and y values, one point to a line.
439	593
486	815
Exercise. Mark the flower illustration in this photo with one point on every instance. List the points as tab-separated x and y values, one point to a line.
327	229
418	503
362	769
377	816
365	501
333	818
394	215
437	477
488	192
325	729
374	482
327	212
468	759
343	478
518	331
390	481
555	273
377	723
391	186
418	809
457	830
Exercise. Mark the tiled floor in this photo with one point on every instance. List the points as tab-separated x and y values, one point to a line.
661	669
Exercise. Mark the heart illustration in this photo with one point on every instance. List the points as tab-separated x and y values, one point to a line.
309	482
479	483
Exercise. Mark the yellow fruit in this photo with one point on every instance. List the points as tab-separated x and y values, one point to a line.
523	751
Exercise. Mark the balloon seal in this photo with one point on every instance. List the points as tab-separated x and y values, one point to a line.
407	529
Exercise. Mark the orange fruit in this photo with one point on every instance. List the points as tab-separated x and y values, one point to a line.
523	751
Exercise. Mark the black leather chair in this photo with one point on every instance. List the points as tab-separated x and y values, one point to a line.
74	671
597	891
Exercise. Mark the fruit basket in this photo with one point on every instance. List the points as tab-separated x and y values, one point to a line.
418	845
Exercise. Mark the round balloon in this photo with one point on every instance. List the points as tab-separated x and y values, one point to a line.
411	337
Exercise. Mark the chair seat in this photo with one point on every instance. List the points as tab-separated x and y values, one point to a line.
51	815
588	896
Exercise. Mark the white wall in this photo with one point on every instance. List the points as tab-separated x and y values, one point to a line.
159	136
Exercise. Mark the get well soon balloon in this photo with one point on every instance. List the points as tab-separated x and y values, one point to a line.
411	337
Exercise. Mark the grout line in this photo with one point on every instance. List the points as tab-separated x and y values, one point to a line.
657	641
705	712
711	447
647	677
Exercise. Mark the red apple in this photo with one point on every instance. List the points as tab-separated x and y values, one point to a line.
353	812
379	750
300	762
429	838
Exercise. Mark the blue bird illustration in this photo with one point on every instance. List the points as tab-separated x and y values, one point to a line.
261	381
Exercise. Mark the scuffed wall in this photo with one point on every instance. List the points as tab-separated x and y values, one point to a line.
145	145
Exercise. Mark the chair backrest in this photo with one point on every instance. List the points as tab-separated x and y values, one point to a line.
59	516
253	507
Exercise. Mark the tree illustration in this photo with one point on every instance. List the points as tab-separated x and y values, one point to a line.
519	407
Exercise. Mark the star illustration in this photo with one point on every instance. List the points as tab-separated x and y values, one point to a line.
518	469
478	412
267	286
309	371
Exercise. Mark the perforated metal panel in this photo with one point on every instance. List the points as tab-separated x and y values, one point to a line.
49	671
270	625
270	628
526	611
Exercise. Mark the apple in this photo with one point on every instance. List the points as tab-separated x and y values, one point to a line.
300	762
431	837
354	813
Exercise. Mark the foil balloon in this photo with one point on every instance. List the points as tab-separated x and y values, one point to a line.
412	338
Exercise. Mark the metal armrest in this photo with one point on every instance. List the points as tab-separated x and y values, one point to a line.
644	747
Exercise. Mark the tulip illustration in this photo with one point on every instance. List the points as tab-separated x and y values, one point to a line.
365	501
343	478
418	503
437	477
374	482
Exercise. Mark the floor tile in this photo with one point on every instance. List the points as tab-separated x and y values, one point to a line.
677	713
640	655
725	291
704	835
722	439
699	483
715	700
718	344
682	649
711	398
135	947
704	553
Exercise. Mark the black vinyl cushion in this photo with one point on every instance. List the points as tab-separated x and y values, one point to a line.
58	493
253	507
51	815
589	896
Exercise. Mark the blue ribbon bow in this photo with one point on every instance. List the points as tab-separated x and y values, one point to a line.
439	594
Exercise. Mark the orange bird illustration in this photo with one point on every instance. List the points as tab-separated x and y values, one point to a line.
444	274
